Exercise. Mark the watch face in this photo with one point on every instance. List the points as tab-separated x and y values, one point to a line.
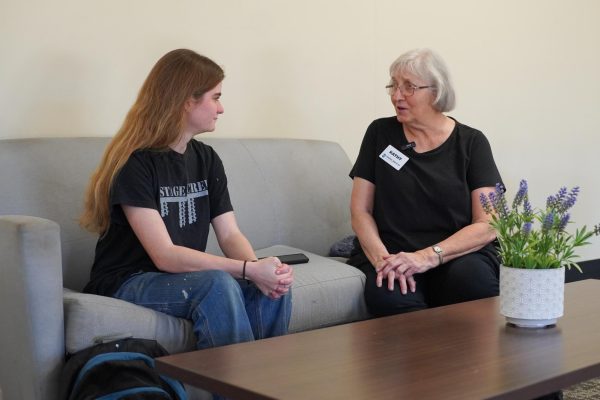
437	249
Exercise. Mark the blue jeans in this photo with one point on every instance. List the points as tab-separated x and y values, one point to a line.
222	309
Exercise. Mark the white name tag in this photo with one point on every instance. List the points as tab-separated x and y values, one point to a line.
394	157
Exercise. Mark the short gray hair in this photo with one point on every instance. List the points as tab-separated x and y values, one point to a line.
429	66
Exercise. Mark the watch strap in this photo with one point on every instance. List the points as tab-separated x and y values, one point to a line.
438	250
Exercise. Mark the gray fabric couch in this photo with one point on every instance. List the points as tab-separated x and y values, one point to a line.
289	196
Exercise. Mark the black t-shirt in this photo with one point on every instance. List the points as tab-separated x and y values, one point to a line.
188	190
429	198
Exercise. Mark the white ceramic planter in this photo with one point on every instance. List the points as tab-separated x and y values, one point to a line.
532	298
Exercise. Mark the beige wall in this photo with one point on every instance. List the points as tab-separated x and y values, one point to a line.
526	71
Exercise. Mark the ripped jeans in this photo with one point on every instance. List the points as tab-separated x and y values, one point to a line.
223	310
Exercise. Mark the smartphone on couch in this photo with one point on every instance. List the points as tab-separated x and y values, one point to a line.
291	259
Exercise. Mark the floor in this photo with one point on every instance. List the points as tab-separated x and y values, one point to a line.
589	390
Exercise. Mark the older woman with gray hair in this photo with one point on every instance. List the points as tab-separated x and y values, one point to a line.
423	237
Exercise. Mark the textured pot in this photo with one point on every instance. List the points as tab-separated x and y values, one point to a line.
532	298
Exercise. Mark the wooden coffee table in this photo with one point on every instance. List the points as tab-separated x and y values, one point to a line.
462	351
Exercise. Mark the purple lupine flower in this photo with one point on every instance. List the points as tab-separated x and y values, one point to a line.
563	222
521	194
485	203
555	202
496	195
551	202
500	201
526	229
493	200
562	193
504	211
527	208
570	200
548	222
500	189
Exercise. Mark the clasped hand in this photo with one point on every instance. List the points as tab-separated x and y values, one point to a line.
272	277
401	267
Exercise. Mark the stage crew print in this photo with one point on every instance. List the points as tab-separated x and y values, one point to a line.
184	198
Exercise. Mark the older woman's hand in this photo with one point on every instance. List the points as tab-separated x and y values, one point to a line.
402	266
406	282
406	263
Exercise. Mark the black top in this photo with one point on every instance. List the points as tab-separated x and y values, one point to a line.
429	198
188	190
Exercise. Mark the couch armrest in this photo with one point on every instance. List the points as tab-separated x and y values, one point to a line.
31	307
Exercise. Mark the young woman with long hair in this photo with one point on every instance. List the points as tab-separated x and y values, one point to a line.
152	200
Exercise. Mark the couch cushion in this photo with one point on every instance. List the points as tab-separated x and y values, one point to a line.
281	194
90	317
325	291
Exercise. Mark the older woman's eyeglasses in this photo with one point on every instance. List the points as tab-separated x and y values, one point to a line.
406	89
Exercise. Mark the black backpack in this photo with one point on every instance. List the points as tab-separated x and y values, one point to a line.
121	369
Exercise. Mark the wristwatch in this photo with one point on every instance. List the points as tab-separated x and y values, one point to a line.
438	250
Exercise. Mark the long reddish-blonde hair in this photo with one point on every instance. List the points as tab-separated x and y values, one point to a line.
154	122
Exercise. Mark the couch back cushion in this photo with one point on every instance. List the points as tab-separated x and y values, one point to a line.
284	191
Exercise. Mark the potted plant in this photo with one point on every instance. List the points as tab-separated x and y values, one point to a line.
534	248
